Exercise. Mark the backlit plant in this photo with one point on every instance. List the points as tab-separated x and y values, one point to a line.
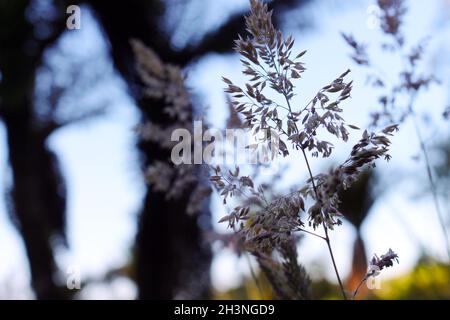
268	227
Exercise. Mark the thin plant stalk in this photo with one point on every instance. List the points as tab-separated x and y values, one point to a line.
358	287
430	177
327	238
255	279
325	229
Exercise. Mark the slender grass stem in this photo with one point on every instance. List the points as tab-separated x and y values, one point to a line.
327	237
312	233
255	278
358	287
431	180
325	229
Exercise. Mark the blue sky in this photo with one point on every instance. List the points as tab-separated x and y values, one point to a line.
105	187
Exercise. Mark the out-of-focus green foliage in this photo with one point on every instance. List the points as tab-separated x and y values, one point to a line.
428	280
250	289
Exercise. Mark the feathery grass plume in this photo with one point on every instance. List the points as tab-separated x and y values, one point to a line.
267	227
386	260
288	279
392	13
166	81
398	100
376	265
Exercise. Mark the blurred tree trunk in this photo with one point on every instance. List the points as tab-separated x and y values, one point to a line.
359	265
172	259
356	203
37	199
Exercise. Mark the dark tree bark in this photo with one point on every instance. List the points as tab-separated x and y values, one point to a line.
38	196
37	192
172	259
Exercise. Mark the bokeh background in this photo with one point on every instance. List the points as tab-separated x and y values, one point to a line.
73	193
